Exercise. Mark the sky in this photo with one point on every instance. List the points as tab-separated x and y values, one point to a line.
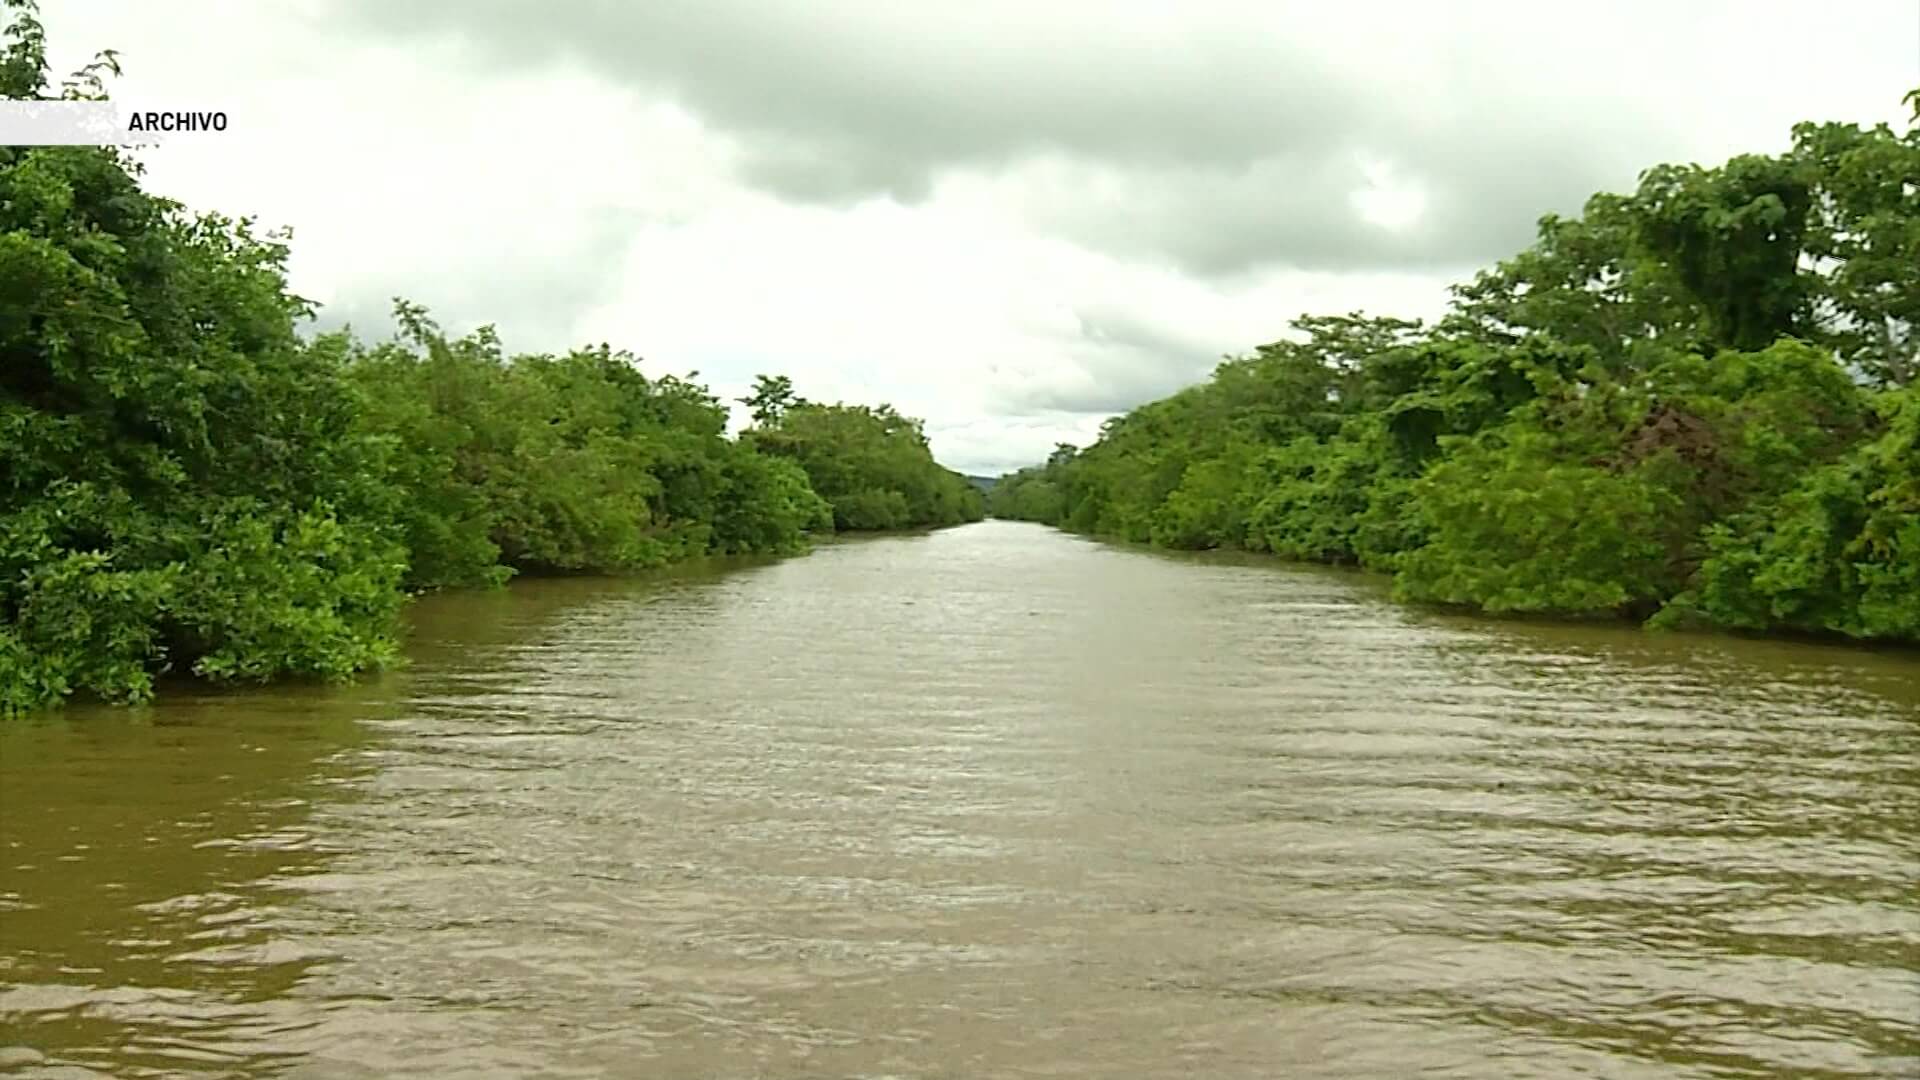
1012	219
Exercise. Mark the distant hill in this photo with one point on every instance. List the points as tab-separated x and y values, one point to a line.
984	483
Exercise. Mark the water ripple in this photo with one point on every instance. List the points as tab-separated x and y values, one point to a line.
993	801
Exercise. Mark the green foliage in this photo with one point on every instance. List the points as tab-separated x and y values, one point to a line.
872	465
549	464
1513	525
1732	237
870	508
771	398
1664	408
188	486
1866	223
174	460
265	591
23	63
1315	496
765	504
1028	495
1206	509
1838	552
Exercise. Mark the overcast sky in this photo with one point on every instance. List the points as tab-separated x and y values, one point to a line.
1012	219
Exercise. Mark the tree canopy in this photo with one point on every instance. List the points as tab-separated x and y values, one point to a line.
872	465
1694	403
190	485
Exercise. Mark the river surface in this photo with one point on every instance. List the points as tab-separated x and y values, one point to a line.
992	801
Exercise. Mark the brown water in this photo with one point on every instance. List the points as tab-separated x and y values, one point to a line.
993	801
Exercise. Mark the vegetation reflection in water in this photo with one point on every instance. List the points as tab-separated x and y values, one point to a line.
983	801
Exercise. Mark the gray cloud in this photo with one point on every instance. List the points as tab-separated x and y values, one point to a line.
531	287
901	90
1481	199
1180	177
1115	361
1218	142
994	448
1116	386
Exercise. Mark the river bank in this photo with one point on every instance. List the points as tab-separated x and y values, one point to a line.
1383	580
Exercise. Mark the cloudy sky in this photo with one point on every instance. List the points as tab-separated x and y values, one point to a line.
1011	218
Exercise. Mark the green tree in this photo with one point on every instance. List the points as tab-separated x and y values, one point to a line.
184	485
871	464
771	398
187	485
1864	226
1665	406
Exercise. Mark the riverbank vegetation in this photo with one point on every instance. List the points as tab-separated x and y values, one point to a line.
189	484
1691	404
871	465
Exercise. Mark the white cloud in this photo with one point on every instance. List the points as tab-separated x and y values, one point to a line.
1078	162
1388	199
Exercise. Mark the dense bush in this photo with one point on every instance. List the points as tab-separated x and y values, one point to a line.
187	485
558	464
1694	403
1838	551
183	481
872	465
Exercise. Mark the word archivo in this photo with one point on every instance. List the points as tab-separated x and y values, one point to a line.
177	121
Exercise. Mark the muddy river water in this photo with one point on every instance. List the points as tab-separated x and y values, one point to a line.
991	801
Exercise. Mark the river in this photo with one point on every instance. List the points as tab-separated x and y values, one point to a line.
991	801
